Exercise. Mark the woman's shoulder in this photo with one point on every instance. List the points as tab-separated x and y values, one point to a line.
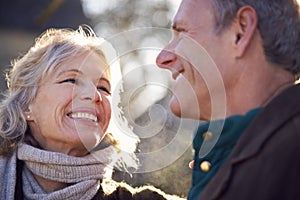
7	163
112	190
8	176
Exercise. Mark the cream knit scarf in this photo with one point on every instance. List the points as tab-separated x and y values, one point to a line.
84	172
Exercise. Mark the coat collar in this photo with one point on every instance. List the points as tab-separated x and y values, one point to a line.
276	113
266	122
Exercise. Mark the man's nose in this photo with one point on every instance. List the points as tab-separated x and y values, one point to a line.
166	59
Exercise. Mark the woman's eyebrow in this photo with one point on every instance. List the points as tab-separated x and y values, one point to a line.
105	79
69	70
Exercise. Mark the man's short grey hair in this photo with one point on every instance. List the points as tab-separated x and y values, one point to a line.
278	24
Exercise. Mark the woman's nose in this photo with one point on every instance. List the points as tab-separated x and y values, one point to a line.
97	96
166	59
92	94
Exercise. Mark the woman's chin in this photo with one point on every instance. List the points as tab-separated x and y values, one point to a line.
90	140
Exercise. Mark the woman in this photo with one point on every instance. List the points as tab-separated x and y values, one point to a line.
53	122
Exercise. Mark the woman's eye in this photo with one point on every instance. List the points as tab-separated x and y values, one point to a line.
69	80
104	89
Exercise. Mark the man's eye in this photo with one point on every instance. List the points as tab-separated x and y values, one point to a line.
104	89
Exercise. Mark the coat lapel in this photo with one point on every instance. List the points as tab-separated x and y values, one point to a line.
253	138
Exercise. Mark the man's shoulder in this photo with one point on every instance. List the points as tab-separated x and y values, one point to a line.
281	115
281	109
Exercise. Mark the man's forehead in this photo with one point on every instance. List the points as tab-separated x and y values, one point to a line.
191	10
180	18
187	8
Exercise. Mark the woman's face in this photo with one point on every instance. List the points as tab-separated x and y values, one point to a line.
71	110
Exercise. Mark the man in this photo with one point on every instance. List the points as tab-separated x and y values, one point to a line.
236	64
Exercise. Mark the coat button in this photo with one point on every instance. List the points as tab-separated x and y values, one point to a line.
207	136
205	166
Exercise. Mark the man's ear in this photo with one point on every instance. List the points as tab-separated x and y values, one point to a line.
245	25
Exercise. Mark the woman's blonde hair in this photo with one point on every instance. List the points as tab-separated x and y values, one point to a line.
50	49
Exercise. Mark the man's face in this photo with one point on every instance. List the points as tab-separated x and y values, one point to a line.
197	57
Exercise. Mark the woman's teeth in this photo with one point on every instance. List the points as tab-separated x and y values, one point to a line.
80	115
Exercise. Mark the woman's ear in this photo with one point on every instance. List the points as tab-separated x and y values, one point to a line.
28	114
245	25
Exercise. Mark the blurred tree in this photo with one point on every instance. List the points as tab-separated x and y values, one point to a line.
22	21
36	16
129	26
139	30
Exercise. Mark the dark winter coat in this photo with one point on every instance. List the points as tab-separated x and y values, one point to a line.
265	163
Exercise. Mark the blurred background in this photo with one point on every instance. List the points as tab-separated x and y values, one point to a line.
138	30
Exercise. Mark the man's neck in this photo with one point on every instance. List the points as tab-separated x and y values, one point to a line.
258	92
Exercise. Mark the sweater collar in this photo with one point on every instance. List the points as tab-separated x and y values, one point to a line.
222	133
266	122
